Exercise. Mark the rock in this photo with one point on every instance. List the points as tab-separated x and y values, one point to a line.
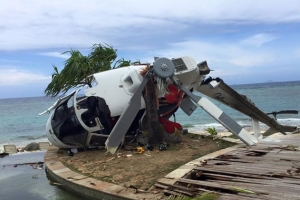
33	146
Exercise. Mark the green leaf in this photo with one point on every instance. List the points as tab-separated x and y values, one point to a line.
77	68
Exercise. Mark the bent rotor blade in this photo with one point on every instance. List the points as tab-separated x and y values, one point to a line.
219	115
228	96
118	132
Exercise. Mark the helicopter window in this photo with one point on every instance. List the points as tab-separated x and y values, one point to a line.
66	126
72	133
70	103
92	80
61	112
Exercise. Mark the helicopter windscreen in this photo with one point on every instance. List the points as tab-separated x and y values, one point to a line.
66	126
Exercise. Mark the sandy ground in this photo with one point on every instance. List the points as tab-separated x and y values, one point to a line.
140	170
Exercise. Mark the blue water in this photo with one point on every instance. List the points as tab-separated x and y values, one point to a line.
20	123
19	120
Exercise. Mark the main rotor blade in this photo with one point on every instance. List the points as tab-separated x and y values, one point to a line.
219	115
118	132
228	96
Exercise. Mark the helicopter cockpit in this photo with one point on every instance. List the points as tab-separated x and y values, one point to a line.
66	126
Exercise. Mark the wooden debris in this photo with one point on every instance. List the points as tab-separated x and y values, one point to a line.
265	171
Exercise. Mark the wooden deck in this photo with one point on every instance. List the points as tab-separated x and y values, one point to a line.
269	170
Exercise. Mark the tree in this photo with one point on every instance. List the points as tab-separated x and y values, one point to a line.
155	130
78	68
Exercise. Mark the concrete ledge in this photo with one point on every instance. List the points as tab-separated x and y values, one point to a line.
96	189
87	186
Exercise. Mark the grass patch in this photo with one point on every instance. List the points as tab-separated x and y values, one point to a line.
212	131
233	136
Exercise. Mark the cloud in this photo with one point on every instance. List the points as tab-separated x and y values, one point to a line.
258	39
218	53
55	54
252	59
14	76
68	24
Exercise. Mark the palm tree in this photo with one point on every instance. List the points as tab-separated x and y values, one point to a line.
78	68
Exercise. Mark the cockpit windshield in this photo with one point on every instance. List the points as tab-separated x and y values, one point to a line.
66	125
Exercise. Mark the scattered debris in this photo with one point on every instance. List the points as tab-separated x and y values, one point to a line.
290	148
136	190
203	162
54	183
163	146
121	155
139	150
37	165
112	158
70	153
150	147
35	176
92	184
3	155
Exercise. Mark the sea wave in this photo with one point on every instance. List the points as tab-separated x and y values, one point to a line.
297	120
187	125
29	137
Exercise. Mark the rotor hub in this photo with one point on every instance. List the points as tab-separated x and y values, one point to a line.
163	68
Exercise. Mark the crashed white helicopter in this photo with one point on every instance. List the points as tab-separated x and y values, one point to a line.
114	107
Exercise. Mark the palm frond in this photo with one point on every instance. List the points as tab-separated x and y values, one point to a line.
78	67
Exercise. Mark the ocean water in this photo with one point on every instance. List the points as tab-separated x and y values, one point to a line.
20	123
19	120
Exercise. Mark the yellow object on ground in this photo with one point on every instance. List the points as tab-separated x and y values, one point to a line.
140	150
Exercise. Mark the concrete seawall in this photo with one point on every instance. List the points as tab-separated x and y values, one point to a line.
86	186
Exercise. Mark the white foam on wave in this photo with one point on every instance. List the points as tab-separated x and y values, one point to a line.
219	127
295	121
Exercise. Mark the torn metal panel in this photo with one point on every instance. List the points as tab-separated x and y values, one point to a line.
187	106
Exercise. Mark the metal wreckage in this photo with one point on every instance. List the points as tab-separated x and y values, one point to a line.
114	107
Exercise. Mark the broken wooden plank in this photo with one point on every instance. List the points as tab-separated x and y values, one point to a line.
232	172
163	185
214	185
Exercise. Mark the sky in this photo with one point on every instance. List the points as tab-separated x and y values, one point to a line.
242	41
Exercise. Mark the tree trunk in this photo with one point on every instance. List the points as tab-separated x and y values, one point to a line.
155	130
